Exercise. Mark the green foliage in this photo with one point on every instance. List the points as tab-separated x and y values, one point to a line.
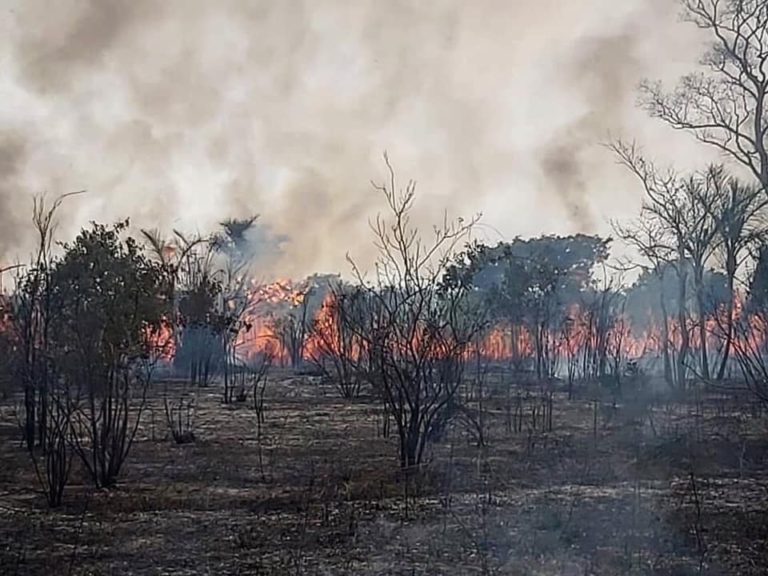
642	298
105	301
108	297
517	278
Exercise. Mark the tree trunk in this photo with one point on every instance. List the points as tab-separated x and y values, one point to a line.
731	271
682	322
29	409
665	340
702	325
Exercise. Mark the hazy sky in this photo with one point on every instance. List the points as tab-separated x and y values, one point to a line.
182	113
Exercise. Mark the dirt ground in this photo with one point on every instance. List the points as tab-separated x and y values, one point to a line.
633	486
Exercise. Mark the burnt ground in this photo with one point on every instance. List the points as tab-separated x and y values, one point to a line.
631	487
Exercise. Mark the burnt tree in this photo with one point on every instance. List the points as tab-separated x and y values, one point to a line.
418	332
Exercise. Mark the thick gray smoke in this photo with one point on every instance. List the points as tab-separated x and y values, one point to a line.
182	113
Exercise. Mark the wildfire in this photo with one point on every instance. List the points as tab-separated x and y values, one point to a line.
506	341
288	320
161	340
266	305
281	292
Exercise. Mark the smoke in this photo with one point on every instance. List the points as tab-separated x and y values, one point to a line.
12	156
184	113
604	71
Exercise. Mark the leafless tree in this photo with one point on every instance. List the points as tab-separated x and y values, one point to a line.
643	236
178	258
676	227
737	210
47	411
472	409
650	236
235	303
32	316
257	371
700	240
750	347
7	346
337	351
724	104
293	327
193	289
598	310
419	334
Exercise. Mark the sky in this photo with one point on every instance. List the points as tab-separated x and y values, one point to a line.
182	113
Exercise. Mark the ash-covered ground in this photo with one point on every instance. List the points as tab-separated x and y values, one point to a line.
638	484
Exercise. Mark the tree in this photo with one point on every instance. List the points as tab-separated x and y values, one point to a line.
293	327
417	332
110	301
724	105
48	414
7	347
676	228
758	283
599	311
699	192
185	262
179	258
336	350
737	212
750	342
530	286
292	308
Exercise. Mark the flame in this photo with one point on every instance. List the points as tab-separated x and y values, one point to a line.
161	341
267	305
504	341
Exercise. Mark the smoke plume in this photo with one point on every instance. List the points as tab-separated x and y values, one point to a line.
182	113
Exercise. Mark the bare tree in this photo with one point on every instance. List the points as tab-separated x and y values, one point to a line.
194	288
419	333
643	235
7	346
293	327
599	318
676	227
176	255
235	304
724	105
699	239
750	347
337	351
257	371
656	241
47	410
737	210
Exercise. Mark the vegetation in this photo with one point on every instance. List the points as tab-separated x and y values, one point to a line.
523	407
